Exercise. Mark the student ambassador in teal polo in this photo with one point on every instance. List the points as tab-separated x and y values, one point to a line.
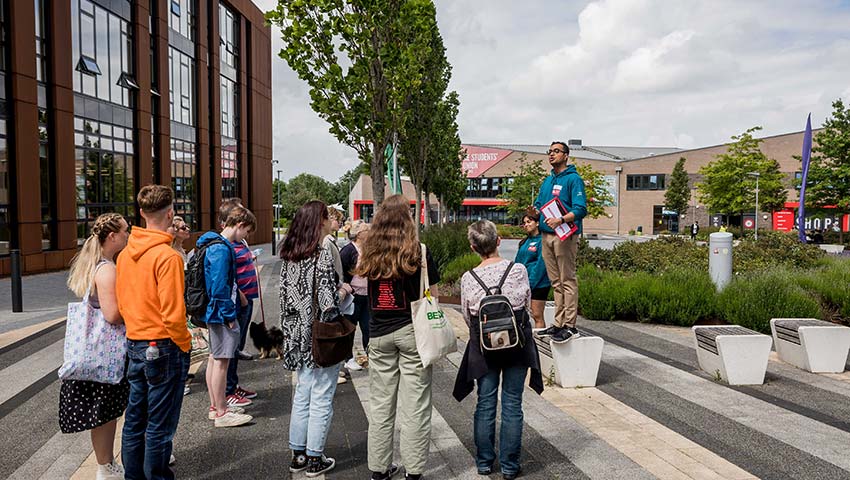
530	254
559	256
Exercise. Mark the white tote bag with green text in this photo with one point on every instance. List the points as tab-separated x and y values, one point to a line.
435	337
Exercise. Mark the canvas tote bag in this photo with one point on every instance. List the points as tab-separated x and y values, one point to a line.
435	337
95	349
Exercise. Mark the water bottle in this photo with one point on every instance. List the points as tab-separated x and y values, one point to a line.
152	352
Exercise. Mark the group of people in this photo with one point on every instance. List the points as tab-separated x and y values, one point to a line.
381	270
138	278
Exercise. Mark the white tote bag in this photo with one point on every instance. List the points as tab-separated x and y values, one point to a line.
435	337
95	349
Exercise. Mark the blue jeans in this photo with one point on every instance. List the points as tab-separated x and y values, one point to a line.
156	395
510	433
312	409
361	317
243	318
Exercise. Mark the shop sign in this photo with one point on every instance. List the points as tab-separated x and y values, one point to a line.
479	159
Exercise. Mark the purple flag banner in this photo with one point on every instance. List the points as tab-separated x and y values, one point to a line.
807	156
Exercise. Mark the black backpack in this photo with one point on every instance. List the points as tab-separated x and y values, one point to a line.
497	321
196	296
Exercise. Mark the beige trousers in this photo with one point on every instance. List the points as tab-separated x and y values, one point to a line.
560	260
397	378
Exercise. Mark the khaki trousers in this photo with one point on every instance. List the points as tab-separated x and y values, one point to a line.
560	260
397	378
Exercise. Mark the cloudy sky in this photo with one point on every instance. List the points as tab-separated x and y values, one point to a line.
610	72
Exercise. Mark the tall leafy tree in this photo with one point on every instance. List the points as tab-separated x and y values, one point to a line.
361	60
346	182
598	194
421	127
444	173
303	188
829	171
678	194
727	186
526	183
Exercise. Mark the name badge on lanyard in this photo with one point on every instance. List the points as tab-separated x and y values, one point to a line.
556	190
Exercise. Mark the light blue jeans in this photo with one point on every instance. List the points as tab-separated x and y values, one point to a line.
312	409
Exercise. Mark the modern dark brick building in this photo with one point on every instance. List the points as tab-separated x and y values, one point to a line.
101	97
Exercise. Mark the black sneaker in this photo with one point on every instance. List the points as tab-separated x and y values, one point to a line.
565	335
299	461
413	476
244	355
319	465
548	332
513	476
391	471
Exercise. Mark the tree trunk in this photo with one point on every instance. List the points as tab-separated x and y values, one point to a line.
418	216
427	209
377	172
442	211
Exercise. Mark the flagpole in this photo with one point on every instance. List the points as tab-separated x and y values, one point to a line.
806	159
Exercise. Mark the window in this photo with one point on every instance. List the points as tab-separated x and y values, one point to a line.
184	175
181	86
102	46
228	31
182	18
229	98
645	182
5	174
104	172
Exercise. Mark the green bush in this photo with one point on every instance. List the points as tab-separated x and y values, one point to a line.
511	231
830	284
457	267
774	249
446	242
677	297
654	256
752	300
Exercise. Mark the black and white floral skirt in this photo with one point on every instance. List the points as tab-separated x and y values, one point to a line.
85	405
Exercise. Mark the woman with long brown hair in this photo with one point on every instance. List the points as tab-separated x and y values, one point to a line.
87	405
308	293
391	260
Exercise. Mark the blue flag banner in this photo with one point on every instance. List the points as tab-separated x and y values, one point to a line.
807	156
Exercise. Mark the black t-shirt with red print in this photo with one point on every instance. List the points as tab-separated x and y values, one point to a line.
389	300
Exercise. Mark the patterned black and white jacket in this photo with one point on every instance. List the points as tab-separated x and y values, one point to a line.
297	311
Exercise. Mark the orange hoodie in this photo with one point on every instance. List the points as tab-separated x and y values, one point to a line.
149	287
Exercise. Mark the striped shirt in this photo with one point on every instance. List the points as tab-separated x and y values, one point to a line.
246	272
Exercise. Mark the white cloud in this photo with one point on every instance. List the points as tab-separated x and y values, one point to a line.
612	72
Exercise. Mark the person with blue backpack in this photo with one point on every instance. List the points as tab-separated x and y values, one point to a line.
530	254
220	315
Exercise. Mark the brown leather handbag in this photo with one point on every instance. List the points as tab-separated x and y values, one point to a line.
334	340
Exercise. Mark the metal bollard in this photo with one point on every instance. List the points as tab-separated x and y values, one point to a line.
720	258
17	291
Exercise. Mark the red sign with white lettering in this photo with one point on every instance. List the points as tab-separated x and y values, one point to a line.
783	221
479	159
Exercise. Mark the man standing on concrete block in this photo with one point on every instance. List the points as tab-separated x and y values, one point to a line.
565	184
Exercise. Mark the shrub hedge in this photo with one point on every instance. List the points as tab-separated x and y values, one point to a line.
457	267
446	242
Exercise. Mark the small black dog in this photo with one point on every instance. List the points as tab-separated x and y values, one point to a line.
266	340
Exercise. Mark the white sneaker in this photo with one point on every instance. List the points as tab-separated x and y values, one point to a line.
212	412
232	419
186	390
172	460
352	365
341	380
110	471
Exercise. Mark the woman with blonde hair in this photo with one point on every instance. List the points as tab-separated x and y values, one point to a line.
358	286
181	233
87	405
391	261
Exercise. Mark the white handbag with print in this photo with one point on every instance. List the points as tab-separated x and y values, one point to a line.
435	337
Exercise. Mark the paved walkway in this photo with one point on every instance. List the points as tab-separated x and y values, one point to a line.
654	414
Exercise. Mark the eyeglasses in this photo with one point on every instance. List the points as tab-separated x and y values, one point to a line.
184	228
555	151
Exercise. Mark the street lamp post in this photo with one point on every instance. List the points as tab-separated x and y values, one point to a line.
274	215
757	175
279	205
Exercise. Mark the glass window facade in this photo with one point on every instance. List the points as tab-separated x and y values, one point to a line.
47	170
104	171
229	97
184	174
181	17
5	174
645	182
106	38
487	187
181	78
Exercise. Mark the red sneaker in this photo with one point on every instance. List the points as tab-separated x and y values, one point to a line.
245	393
237	401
